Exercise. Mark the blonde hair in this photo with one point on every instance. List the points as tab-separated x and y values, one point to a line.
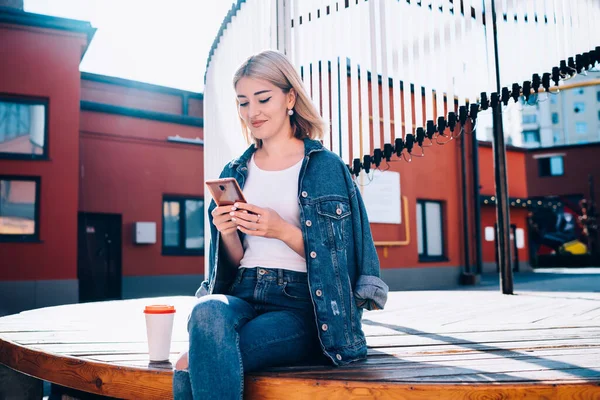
275	68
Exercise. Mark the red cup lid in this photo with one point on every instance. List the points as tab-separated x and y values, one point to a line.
159	309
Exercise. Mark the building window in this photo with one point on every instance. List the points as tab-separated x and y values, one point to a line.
183	226
531	136
581	128
598	115
598	95
551	166
529	118
579	107
581	91
19	208
23	129
430	230
555	118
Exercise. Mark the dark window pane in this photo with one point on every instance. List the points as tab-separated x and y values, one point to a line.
555	118
544	166
194	224
171	223
17	207
22	128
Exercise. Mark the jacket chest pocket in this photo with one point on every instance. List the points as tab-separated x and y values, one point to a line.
335	221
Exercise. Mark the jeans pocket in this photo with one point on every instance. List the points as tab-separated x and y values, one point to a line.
296	290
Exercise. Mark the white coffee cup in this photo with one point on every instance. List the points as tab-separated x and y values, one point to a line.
159	328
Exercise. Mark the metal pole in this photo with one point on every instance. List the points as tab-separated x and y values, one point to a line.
501	181
477	203
465	208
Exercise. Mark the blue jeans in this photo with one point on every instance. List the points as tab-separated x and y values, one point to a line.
267	320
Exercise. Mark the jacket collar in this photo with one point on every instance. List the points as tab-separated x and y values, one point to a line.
310	146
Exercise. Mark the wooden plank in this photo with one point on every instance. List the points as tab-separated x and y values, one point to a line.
271	389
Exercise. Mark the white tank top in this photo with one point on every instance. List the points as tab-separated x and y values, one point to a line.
277	190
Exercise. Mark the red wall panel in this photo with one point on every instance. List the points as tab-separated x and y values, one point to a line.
128	165
45	64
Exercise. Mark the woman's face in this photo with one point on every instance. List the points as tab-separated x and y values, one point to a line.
263	107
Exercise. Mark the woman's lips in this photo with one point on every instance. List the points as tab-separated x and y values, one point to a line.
258	124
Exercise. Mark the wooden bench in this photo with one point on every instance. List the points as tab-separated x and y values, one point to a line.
447	344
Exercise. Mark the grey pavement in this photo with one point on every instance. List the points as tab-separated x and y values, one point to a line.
583	280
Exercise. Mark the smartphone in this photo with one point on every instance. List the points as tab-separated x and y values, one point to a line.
225	191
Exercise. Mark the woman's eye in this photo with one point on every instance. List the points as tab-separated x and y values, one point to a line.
264	101
243	104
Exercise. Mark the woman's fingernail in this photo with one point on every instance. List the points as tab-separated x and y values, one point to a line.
232	213
233	208
233	219
236	205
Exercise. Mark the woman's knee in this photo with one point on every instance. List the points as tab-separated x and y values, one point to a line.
215	311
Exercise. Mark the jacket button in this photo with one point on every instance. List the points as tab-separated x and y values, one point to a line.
324	327
319	292
338	211
309	223
313	254
304	194
339	357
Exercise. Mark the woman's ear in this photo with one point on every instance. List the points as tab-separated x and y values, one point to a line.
291	98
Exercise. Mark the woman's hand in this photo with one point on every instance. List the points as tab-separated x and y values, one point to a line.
223	220
257	221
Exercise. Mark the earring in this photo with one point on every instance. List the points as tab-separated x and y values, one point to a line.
290	112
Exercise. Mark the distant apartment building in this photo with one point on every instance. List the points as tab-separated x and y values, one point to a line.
571	116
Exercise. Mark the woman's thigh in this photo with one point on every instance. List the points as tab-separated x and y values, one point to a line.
279	338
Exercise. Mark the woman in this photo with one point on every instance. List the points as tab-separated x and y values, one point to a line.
290	271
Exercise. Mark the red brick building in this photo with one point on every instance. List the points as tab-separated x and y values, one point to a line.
83	158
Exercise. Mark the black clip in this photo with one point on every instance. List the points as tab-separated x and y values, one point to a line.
484	101
398	146
388	150
410	141
494	100
516	92
546	80
357	167
377	156
420	136
505	96
430	129
473	110
536	82
452	121
441	125
366	163
526	90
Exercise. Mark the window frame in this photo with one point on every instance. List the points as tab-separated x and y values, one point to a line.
180	250
30	101
426	257
35	236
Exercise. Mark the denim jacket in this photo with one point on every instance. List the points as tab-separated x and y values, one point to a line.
342	264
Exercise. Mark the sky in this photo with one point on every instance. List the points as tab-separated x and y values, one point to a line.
145	40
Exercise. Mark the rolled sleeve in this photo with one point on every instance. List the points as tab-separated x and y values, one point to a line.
370	292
